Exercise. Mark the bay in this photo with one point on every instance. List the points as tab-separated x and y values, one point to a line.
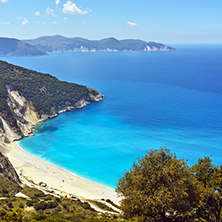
153	99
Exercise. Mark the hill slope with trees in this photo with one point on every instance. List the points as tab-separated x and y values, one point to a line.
63	44
27	97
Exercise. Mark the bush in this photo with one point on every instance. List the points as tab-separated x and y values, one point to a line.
51	205
21	205
29	203
10	205
2	213
41	205
40	217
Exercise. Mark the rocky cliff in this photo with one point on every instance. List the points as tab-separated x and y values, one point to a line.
27	117
7	170
28	97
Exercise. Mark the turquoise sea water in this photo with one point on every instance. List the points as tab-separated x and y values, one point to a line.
153	99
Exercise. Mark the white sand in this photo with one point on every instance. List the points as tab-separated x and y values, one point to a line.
32	170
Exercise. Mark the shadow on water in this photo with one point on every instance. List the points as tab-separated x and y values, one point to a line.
43	128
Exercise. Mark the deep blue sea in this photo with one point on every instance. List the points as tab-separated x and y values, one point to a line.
153	100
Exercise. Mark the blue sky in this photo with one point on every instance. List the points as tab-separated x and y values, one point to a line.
166	21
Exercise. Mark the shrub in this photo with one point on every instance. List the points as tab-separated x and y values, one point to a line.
40	217
51	204
41	205
29	203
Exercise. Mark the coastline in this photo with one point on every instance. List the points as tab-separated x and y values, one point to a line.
32	171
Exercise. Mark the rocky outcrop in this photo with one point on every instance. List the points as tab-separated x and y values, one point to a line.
26	116
7	170
23	111
7	134
154	48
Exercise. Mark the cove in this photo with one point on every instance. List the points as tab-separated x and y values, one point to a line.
153	100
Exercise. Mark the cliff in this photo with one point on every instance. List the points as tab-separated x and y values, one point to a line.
7	170
28	97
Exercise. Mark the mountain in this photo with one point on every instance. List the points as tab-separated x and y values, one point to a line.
28	97
60	43
9	47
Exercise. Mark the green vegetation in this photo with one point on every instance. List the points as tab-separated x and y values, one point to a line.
7	187
41	207
210	178
159	187
47	93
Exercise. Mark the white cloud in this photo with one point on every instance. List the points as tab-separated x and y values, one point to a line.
57	2
36	13
4	23
131	24
54	22
83	22
40	23
65	18
50	11
24	21
90	10
71	8
3	1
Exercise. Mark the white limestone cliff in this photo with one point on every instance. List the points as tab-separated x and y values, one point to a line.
27	118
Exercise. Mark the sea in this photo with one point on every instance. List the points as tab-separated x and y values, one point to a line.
153	99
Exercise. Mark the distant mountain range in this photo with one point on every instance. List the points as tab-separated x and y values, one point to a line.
60	43
9	47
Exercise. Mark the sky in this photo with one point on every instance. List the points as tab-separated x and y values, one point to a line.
165	21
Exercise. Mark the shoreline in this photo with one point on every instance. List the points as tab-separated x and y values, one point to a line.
32	171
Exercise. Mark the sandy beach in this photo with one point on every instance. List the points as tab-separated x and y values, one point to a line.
33	171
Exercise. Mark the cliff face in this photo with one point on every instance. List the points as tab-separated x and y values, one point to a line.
28	97
7	170
26	116
23	111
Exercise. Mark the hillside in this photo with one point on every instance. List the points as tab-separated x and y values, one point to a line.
28	97
8	172
60	43
24	203
15	47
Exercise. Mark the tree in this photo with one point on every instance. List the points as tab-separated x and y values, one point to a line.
40	205
210	177
159	187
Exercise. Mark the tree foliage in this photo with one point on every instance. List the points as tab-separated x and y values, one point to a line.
210	177
160	187
47	93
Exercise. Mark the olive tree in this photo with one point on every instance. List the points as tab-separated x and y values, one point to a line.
159	187
210	177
